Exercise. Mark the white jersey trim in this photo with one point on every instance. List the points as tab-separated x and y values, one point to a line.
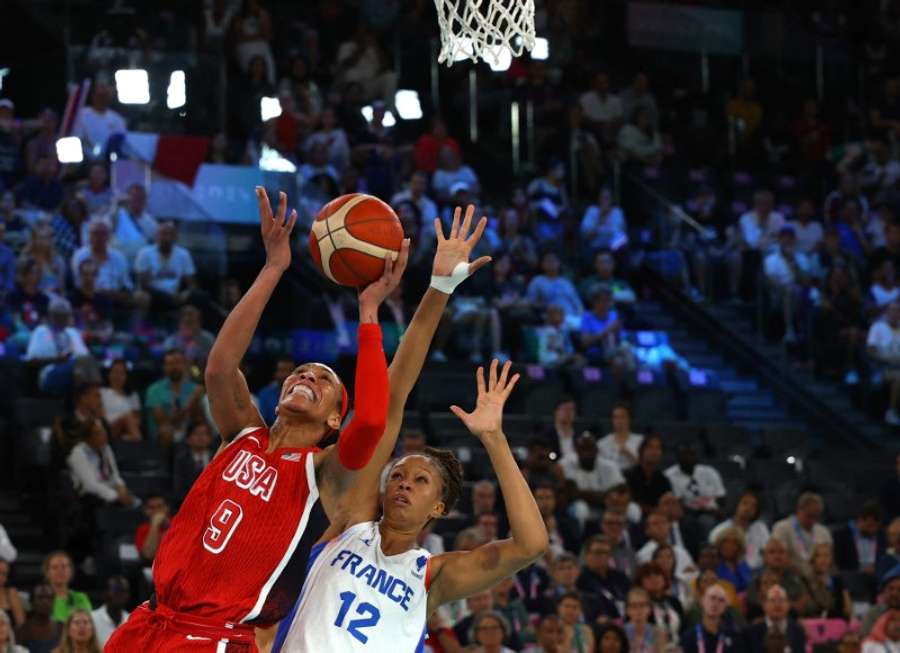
242	433
298	534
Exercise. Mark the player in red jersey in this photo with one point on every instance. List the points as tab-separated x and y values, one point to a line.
235	555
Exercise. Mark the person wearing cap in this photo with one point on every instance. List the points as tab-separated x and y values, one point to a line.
55	347
787	271
112	614
450	172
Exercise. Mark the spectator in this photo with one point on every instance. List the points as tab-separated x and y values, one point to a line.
639	96
8	637
475	605
828	596
79	634
554	340
251	30
888	599
111	614
132	226
601	334
42	190
777	565
58	573
58	351
191	337
97	122
452	175
489	631
87	405
148	535
639	141
756	236
191	459
664	556
513	610
93	310
746	518
17	228
484	497
732	619
487	523
539	463
890	555
591	474
68	226
839	321
745	111
518	245
562	529
859	544
787	273
429	146
121	404
416	193
854	236
271	392
562	432
808	231
564	578
603	224
891	636
550	287
778	631
42	249
362	61
598	579
883	344
881	172
642	635
10	601
173	402
699	486
40	633
166	270
27	302
548	192
95	474
657	529
621	446
550	636
614	525
43	142
604	273
733	568
666	610
113	276
577	635
8	552
711	631
648	484
97	196
682	532
618	499
850	642
801	531
603	111
884	115
812	137
332	137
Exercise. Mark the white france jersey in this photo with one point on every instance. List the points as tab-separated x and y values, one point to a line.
356	598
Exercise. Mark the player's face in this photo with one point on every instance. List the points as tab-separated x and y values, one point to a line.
313	390
413	491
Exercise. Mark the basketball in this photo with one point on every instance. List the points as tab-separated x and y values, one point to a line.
351	237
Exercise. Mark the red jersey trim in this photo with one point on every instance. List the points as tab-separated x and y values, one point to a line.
428	574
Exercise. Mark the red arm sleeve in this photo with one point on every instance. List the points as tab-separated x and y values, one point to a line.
358	441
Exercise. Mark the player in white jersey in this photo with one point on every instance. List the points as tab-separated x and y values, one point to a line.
419	488
372	589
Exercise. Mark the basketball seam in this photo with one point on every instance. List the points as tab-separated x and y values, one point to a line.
337	252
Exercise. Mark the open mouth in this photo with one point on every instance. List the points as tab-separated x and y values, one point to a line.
303	390
401	500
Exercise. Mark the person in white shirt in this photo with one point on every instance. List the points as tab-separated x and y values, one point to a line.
756	235
329	135
112	614
592	475
57	350
93	468
802	531
807	229
415	193
884	288
787	272
113	275
657	528
891	641
746	518
8	552
621	446
452	175
603	224
133	227
603	110
698	486
562	432
121	404
97	122
883	345
166	270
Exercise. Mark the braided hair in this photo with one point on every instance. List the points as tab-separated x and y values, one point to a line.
448	466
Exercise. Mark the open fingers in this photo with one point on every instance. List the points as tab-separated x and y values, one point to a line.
467	222
402	259
472	240
292	220
454	228
512	384
282	208
459	412
504	374
265	208
492	381
479	379
479	263
439	230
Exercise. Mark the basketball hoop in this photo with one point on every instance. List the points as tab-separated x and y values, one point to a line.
483	29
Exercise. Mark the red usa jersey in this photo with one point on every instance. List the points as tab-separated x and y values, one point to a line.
238	547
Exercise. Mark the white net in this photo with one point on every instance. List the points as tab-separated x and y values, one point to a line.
484	29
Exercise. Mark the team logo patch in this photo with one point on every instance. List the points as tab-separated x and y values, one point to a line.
292	457
420	565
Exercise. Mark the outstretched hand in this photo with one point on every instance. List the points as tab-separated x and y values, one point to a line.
276	231
376	292
455	249
486	420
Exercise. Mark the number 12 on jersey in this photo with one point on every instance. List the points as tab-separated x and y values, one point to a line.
370	613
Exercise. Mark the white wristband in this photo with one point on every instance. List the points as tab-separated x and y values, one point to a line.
447	285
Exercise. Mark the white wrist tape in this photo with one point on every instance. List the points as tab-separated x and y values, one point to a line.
447	285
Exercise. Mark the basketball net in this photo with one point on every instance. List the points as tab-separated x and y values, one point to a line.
483	29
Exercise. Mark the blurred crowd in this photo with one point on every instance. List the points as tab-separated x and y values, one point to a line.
105	308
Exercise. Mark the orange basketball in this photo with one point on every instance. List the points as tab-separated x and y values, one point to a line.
351	237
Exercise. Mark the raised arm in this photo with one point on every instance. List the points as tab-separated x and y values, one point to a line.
229	396
413	350
464	573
